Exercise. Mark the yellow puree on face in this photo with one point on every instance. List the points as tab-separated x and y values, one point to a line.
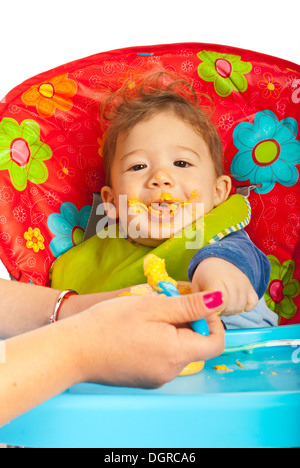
164	197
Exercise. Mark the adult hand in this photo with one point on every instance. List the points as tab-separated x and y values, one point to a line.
133	341
129	341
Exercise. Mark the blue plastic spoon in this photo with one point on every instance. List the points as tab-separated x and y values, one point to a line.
167	288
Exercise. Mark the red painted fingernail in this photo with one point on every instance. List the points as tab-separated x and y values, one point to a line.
213	300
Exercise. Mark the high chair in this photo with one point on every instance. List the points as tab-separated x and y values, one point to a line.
50	166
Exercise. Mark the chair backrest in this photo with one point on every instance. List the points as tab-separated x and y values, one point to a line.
51	141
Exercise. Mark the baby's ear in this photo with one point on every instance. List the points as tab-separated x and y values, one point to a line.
108	198
222	189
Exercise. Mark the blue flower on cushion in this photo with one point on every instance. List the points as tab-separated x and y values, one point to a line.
68	226
268	151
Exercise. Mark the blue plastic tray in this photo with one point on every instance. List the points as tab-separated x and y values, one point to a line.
257	406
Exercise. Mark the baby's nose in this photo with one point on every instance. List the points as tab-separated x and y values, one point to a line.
161	179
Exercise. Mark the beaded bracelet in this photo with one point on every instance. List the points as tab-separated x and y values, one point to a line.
61	298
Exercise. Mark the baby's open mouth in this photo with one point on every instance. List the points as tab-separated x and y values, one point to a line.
166	205
164	208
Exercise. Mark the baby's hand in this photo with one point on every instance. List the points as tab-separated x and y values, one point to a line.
219	275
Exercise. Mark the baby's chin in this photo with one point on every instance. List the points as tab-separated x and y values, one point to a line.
151	236
148	242
155	235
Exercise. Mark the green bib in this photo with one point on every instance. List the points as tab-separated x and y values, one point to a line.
108	264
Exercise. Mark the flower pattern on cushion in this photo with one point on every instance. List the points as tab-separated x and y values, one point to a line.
283	288
68	226
34	239
51	94
226	71
268	151
22	153
63	168
7	195
269	86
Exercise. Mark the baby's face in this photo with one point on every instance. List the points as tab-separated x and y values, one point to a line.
166	171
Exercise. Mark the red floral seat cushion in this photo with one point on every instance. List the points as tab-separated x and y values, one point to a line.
51	141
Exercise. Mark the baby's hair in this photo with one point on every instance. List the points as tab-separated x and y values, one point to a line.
157	94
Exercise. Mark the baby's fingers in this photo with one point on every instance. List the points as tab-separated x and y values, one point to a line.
235	302
252	301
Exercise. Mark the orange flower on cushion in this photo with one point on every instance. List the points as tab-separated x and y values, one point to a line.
63	168
270	87
51	94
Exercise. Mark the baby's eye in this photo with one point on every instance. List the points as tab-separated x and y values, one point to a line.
181	164
137	167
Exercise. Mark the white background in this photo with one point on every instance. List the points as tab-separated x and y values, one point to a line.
36	36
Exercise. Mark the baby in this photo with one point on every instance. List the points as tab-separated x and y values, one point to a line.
163	162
